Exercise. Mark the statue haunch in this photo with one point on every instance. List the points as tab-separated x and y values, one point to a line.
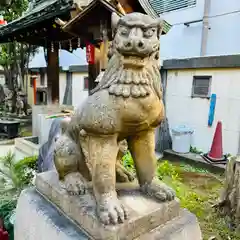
126	104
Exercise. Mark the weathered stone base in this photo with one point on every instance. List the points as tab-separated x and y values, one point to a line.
145	214
38	219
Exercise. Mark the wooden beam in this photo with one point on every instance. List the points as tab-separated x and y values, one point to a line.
53	75
126	5
93	71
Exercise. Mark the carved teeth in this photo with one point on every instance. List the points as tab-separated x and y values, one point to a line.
142	90
147	88
118	90
122	76
136	78
128	77
126	91
135	91
112	89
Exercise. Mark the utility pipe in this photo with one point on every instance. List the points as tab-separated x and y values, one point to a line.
205	27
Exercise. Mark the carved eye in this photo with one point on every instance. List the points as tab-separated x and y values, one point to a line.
124	31
149	32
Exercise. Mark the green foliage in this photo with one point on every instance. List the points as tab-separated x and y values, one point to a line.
15	10
7	206
198	198
189	168
25	169
166	169
14	176
29	162
128	163
14	57
195	150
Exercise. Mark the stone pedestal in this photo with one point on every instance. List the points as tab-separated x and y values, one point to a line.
50	219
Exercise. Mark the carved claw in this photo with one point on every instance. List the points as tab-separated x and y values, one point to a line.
75	184
123	175
110	209
160	191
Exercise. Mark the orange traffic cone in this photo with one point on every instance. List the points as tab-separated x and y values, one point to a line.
216	153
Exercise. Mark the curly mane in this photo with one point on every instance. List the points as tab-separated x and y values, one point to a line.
120	81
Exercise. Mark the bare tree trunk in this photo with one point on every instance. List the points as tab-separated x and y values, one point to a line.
230	198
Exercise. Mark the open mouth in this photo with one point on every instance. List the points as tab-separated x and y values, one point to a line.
133	60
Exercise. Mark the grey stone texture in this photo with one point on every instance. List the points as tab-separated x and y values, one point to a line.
39	219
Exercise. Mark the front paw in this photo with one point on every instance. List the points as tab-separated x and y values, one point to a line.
75	184
159	190
110	210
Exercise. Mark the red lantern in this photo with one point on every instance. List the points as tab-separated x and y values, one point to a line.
2	21
90	53
4	235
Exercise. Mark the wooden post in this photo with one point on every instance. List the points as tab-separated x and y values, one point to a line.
53	75
93	70
92	75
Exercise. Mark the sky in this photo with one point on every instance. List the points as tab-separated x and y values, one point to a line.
66	59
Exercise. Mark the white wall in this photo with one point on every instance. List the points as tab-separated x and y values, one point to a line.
182	109
62	86
79	95
224	34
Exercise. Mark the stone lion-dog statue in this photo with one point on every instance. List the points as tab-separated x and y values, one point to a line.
126	104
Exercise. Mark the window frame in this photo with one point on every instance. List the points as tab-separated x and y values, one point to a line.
84	86
199	77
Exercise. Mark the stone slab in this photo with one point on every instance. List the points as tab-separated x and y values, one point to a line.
38	219
26	147
195	159
145	214
183	227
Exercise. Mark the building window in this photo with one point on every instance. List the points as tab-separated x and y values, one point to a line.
163	6
85	87
201	86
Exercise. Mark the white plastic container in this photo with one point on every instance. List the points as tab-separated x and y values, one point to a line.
181	139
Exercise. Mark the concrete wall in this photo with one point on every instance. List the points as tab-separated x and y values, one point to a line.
182	41
185	41
224	35
183	109
79	94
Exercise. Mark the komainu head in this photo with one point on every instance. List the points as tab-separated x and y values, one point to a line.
133	67
136	37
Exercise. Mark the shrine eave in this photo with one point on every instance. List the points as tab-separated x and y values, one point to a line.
92	15
95	9
41	13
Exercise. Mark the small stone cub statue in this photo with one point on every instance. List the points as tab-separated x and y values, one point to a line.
126	105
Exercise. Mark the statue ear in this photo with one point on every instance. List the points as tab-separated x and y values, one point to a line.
115	19
160	23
